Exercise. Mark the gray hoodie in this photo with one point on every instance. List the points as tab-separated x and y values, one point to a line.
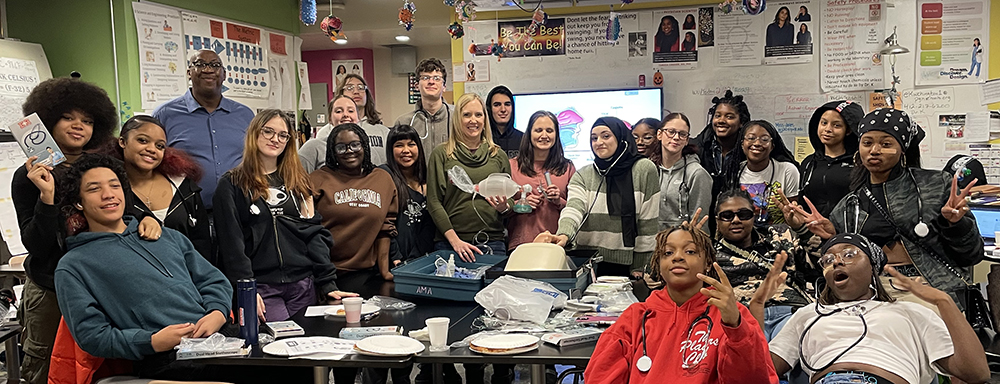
312	154
676	203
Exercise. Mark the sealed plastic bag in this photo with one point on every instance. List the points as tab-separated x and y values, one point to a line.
390	303
514	298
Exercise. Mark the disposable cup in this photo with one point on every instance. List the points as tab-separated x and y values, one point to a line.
352	309
437	330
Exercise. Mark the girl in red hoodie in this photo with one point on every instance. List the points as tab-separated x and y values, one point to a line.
694	331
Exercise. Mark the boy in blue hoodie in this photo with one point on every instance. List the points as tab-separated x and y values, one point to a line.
127	298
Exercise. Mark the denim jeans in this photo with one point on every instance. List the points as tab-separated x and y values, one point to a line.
775	318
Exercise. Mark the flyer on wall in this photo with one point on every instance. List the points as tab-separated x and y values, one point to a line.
675	42
738	38
342	68
788	36
162	65
953	43
849	60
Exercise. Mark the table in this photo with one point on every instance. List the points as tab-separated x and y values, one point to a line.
461	314
8	335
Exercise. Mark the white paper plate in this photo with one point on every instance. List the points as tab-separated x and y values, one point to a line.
506	341
338	310
389	345
277	348
508	351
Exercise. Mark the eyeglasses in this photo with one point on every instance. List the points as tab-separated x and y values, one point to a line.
643	137
435	78
269	133
675	133
352	87
743	213
354	146
763	139
201	65
847	257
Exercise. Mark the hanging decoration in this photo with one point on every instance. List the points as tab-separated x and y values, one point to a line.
754	7
624	2
727	7
450	3
614	31
466	10
308	12
496	49
456	30
493	48
406	14
537	19
331	26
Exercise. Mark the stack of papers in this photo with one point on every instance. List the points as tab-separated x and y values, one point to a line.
315	348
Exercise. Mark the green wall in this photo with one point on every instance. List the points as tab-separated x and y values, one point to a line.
77	34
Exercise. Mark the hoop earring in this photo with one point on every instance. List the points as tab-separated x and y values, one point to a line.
857	157
78	206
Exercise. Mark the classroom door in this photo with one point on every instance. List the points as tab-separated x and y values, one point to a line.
317	115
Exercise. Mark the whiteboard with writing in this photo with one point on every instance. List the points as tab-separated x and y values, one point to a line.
786	95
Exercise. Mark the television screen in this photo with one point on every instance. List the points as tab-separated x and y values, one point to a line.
577	112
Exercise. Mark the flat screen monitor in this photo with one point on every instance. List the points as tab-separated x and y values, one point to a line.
577	112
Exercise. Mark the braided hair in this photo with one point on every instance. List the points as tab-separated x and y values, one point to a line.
701	240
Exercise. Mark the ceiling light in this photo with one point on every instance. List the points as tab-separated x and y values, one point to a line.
341	41
402	38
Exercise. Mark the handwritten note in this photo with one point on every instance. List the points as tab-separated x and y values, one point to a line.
989	92
797	106
926	101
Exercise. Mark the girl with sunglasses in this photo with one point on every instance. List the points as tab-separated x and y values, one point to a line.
270	231
747	253
694	331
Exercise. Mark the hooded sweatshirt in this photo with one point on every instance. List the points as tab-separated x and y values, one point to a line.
684	187
510	139
683	345
825	180
116	290
312	154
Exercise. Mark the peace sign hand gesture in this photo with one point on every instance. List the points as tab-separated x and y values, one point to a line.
956	207
722	296
694	219
796	216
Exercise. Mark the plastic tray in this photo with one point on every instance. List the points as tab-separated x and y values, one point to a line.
417	277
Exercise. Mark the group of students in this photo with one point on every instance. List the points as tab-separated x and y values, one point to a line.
123	246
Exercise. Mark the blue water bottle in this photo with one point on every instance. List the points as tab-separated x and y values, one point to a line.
246	299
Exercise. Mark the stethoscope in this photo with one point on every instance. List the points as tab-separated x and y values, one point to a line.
685	193
857	309
604	175
645	362
920	229
428	120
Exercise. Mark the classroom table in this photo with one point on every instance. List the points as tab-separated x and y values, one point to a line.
8	336
462	315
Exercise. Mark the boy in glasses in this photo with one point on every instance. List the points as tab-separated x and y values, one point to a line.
432	117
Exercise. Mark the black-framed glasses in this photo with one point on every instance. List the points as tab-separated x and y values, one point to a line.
675	133
762	139
743	213
352	87
354	146
201	65
269	134
435	78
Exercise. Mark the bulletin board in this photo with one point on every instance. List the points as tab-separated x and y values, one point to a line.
260	62
779	85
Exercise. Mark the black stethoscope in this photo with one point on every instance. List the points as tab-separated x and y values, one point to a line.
857	309
920	229
685	192
645	362
427	119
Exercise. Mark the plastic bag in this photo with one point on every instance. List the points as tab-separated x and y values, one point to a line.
390	303
216	342
514	298
616	302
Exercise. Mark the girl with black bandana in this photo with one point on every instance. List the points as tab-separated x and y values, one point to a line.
918	216
619	194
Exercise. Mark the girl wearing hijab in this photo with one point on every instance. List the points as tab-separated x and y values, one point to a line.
769	166
668	36
916	215
618	195
901	342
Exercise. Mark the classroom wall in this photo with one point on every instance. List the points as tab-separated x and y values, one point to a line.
85	44
320	70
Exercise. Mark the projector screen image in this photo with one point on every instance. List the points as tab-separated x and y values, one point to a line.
577	112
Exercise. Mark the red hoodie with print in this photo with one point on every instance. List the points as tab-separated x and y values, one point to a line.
687	344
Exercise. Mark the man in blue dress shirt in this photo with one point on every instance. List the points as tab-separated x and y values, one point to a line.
206	125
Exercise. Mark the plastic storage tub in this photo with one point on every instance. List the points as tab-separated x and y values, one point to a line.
417	277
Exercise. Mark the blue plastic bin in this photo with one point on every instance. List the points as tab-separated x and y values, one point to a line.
417	277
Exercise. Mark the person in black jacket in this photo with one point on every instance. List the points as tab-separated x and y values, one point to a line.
80	117
164	182
271	232
500	101
718	143
826	173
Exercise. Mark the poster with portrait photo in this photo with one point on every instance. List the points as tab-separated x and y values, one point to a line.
788	37
675	42
637	44
342	68
475	71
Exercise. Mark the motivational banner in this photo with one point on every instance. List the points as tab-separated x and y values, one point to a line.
518	40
